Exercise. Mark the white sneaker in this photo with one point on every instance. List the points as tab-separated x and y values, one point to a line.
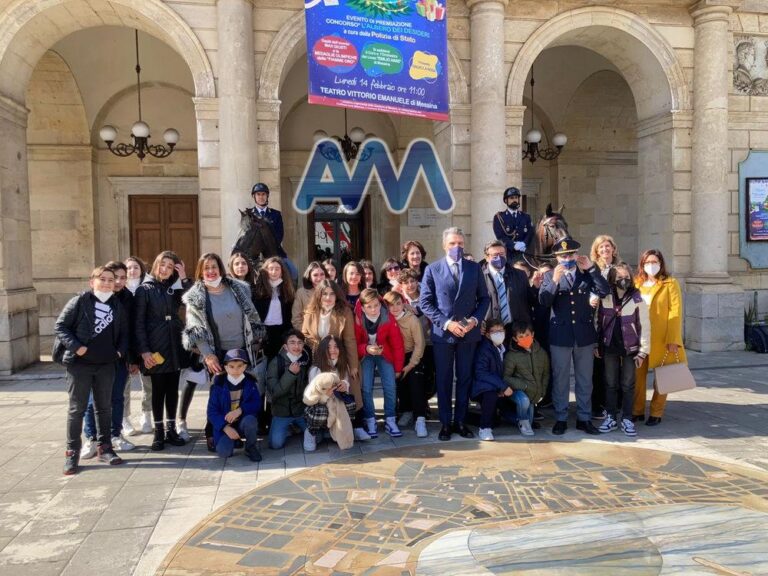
147	423
421	427
89	449
128	429
361	434
181	430
391	427
310	442
406	419
120	444
486	434
370	423
525	428
628	427
608	425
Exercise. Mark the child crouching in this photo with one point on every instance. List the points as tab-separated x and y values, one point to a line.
233	407
526	371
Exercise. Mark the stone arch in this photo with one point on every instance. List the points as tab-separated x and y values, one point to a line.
613	33
28	29
290	44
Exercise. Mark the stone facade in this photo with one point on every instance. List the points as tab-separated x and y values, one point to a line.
653	153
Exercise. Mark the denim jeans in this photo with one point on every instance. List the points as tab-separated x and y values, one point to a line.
278	432
118	387
247	426
82	380
524	406
387	375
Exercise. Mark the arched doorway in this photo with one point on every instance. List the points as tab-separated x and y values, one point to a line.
27	32
639	119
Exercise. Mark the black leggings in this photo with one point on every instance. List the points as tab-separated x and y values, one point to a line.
411	389
187	393
165	392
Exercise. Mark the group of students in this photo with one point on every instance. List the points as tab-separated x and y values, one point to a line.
302	359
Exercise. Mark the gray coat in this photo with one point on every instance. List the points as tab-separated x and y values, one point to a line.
198	328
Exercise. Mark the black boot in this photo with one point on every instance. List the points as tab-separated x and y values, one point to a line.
158	443
171	436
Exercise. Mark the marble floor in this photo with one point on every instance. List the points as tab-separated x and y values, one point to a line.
494	509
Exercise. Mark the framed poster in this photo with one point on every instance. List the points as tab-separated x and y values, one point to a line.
757	209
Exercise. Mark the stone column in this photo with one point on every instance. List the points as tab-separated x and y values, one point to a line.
487	145
714	305
19	330
238	137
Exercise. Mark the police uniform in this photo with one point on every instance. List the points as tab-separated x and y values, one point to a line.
513	226
572	334
274	219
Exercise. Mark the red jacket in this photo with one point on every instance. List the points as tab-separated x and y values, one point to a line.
387	335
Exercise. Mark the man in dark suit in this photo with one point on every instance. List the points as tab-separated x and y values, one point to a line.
455	299
572	335
511	296
274	219
513	226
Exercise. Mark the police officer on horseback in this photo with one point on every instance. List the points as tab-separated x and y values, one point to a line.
273	218
513	226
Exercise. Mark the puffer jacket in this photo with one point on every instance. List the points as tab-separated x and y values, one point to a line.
628	314
284	388
157	324
388	336
527	371
75	326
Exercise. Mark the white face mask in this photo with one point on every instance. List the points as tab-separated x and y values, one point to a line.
236	379
213	283
333	361
652	269
102	296
497	338
275	283
132	284
293	358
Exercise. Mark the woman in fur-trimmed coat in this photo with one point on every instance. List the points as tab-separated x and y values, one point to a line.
220	317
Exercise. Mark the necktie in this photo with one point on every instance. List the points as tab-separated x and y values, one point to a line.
455	272
501	291
569	275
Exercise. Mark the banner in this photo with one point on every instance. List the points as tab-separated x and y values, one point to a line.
379	55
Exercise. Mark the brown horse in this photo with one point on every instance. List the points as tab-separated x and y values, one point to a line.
255	239
551	229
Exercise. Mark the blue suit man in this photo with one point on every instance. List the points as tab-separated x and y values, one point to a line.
513	226
572	334
274	218
454	297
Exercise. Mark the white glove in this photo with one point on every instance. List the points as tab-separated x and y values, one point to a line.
520	246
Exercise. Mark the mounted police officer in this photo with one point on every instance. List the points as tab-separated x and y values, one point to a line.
513	226
572	334
273	218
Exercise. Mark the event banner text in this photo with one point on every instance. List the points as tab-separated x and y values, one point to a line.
379	55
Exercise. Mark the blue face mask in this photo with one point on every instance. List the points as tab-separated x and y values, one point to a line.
498	262
569	264
456	253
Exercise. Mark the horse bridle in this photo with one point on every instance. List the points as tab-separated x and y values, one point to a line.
549	234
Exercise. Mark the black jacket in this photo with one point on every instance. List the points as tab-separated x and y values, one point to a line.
75	326
157	324
520	295
125	297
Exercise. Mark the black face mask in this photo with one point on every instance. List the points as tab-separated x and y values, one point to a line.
623	283
514	205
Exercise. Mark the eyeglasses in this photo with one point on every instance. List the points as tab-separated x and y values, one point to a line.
392	268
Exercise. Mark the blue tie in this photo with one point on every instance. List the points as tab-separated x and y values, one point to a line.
501	290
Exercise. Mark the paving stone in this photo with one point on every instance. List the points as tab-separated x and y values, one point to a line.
115	552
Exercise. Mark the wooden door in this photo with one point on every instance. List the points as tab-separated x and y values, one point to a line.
160	223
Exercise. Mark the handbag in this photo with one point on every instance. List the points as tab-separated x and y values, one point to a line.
673	377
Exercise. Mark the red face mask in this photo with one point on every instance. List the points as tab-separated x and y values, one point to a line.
525	341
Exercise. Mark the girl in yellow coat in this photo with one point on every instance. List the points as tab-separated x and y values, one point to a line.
665	302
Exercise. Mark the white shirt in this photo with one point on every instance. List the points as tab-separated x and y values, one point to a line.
275	313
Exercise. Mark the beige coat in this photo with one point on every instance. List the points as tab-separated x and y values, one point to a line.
342	325
300	303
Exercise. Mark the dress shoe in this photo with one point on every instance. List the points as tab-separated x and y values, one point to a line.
653	421
536	425
559	428
463	431
445	433
588	427
638	418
